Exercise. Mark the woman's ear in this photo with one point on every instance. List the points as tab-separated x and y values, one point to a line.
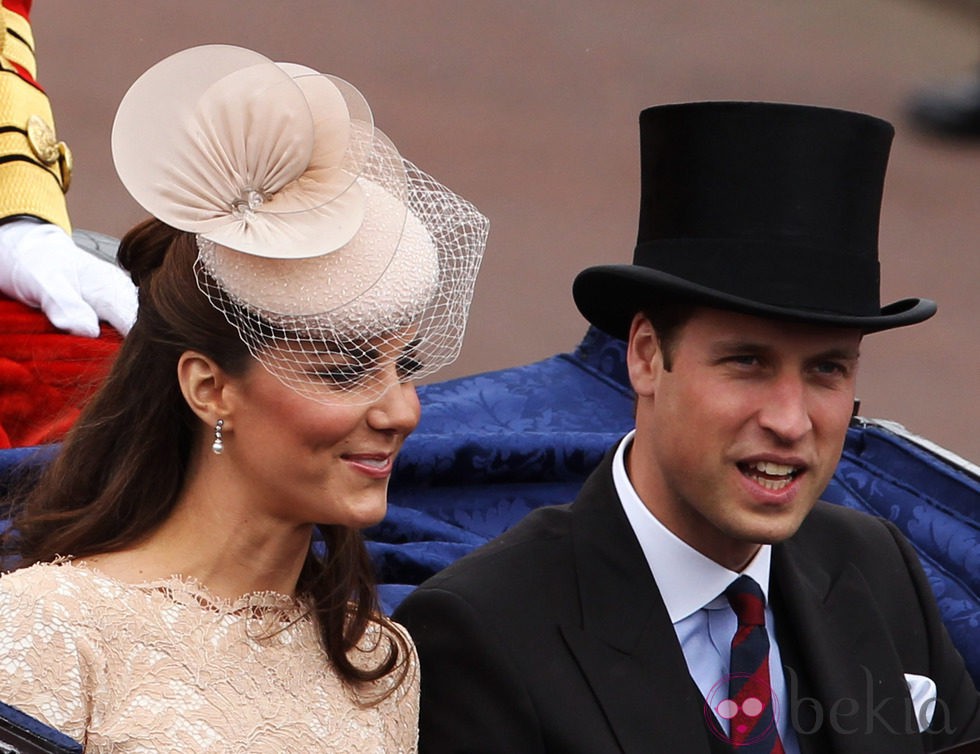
205	386
644	359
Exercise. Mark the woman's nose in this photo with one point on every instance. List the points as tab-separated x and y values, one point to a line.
398	409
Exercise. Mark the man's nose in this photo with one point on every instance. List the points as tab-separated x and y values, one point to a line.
786	411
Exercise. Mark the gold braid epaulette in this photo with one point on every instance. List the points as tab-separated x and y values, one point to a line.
35	168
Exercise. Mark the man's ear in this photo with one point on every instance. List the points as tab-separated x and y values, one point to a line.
644	359
205	386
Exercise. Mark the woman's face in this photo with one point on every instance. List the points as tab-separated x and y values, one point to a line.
303	461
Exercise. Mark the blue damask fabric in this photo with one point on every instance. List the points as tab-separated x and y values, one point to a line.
492	447
936	504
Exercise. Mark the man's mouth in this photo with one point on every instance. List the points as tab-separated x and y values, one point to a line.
769	474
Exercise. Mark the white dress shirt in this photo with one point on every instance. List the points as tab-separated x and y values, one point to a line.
692	586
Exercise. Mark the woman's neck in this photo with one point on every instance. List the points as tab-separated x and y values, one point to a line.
211	539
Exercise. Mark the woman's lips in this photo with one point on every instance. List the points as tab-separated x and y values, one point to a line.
375	465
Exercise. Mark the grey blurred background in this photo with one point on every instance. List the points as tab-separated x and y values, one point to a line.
529	109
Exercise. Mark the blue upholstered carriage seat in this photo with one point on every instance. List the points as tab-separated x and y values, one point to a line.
491	447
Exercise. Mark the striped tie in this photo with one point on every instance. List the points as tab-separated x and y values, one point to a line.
753	726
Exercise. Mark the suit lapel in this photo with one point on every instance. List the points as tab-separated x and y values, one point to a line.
844	677
848	682
626	645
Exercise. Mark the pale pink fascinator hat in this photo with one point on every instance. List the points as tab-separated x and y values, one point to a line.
316	239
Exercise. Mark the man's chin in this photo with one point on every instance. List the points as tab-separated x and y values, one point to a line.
772	529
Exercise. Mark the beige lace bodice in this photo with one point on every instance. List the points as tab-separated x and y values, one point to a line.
167	667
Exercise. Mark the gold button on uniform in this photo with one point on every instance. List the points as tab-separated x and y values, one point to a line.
48	149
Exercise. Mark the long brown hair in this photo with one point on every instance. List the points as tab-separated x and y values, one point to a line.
123	464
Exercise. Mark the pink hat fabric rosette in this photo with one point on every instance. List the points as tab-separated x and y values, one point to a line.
317	240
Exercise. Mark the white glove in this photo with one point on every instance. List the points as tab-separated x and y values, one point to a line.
42	267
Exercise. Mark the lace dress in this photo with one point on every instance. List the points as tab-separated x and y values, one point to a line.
167	667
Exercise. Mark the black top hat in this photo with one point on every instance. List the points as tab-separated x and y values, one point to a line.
769	209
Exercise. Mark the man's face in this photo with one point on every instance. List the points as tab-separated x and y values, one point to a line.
735	444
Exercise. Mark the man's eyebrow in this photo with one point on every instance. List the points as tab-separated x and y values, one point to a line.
739	345
837	353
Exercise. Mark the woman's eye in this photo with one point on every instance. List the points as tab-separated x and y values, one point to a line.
341	374
408	366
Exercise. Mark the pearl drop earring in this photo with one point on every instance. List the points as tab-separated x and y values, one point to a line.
218	446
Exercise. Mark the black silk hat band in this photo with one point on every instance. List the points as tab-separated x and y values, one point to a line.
777	273
762	208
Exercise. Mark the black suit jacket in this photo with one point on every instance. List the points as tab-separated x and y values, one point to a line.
554	638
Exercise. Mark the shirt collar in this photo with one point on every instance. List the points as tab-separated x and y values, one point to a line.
688	581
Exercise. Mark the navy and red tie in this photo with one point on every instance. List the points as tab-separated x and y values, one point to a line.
752	721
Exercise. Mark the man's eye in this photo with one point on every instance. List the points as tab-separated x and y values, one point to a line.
746	360
831	368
